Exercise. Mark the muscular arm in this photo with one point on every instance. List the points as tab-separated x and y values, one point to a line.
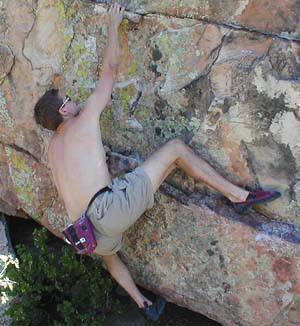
121	274
111	57
97	102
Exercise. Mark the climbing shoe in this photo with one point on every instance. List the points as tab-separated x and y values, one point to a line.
155	310
256	196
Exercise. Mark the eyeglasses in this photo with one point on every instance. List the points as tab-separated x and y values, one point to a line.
67	99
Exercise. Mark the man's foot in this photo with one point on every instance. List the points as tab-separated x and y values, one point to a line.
256	196
155	310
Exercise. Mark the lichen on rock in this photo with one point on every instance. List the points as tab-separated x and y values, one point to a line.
21	175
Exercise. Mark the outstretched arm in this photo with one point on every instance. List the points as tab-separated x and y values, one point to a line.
121	274
111	57
100	97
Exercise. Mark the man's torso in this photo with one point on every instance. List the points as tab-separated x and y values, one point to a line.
78	163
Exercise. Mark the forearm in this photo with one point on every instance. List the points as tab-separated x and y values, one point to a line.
112	52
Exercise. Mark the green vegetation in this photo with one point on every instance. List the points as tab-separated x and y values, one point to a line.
54	286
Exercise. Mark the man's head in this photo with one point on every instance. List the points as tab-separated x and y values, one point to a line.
52	109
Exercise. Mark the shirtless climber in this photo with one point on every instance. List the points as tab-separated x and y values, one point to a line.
78	163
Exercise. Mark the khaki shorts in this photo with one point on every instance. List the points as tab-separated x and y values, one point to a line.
114	211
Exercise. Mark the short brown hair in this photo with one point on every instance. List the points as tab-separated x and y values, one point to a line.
46	110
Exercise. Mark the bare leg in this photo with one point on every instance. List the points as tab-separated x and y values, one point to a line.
121	274
176	154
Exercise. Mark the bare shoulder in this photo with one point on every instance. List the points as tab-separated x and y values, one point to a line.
89	110
86	118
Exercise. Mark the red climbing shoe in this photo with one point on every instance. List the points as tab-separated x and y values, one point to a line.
256	196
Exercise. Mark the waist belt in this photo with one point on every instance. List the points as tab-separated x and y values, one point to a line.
101	191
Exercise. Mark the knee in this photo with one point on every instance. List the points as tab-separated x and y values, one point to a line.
177	147
176	143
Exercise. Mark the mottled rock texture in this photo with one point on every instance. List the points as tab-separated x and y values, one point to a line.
222	75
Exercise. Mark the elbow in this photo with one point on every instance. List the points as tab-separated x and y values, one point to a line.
114	66
110	69
115	61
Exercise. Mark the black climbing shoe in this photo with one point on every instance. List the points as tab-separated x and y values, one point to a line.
155	310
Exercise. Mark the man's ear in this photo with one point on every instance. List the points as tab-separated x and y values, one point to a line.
63	111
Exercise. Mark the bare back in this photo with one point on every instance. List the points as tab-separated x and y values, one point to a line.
78	163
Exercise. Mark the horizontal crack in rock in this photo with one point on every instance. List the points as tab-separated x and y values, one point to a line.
21	150
207	21
226	25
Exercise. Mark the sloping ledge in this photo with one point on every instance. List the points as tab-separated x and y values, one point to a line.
236	270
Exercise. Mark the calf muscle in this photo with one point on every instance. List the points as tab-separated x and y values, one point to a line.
121	274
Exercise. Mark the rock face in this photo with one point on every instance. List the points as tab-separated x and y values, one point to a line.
236	271
222	75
